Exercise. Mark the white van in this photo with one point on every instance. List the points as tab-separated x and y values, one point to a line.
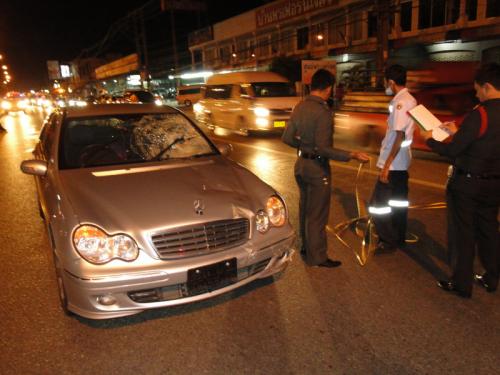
187	95
246	102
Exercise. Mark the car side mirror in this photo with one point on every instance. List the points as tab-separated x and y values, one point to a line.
34	167
225	148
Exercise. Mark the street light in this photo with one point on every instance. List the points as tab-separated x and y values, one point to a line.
4	67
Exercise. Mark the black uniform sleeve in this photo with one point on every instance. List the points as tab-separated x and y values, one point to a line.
465	135
324	138
290	134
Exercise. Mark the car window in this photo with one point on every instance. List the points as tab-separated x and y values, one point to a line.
99	141
273	89
218	92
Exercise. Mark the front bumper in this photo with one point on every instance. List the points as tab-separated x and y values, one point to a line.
133	293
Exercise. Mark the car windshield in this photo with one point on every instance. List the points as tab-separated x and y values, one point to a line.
125	139
273	89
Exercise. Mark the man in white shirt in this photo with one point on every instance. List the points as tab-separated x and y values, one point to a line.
389	203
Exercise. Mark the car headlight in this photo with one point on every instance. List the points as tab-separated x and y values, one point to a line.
158	102
6	105
96	246
274	215
197	107
276	211
262	221
261	112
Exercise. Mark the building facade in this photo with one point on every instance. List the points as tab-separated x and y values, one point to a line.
351	32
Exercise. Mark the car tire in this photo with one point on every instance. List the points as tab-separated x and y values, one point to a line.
63	297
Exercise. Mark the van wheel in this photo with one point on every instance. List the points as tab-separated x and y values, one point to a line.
187	103
242	126
63	298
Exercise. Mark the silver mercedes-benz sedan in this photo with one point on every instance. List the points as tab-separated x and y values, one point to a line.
143	211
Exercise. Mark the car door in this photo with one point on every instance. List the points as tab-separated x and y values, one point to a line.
46	151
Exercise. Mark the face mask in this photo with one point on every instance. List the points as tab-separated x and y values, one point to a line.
388	91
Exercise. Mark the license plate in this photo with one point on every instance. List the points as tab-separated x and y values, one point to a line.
212	277
279	124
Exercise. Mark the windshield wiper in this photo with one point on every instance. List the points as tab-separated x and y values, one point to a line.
162	152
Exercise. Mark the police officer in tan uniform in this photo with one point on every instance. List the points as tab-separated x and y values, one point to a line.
473	190
310	131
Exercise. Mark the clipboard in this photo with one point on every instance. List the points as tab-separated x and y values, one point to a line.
428	122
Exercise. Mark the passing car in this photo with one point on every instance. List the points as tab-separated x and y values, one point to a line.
143	211
138	96
15	103
246	102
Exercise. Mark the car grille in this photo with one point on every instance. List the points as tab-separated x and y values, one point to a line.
201	238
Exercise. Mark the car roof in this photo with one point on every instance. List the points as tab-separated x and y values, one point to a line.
92	110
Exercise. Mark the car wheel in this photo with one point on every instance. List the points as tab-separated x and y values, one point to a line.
63	298
187	103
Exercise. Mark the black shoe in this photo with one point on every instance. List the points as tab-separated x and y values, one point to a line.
383	248
330	263
448	286
481	280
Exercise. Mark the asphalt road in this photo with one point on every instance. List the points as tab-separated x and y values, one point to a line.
387	317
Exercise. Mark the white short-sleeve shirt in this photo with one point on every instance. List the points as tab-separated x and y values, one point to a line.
399	120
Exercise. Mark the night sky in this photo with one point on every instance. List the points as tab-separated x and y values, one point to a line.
32	32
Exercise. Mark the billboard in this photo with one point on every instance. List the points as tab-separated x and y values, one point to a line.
309	67
53	69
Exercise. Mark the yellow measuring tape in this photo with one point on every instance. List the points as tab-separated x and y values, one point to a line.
364	227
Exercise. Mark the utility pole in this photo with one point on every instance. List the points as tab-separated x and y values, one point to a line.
174	39
383	29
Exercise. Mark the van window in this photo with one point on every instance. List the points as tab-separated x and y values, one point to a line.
218	92
273	89
191	90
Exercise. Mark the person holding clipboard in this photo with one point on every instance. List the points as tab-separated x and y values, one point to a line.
473	190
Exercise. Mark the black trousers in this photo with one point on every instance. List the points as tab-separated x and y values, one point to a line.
473	206
389	209
314	180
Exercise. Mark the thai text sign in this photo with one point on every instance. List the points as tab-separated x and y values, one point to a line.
287	9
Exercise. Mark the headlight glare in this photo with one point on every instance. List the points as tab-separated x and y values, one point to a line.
96	246
6	105
261	112
276	211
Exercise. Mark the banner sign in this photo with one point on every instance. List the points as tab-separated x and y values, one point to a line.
309	67
53	69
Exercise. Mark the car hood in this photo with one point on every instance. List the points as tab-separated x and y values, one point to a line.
162	195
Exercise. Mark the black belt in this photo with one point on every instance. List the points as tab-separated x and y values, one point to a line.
483	176
308	155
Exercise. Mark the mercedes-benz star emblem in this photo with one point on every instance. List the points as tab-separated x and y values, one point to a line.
199	206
